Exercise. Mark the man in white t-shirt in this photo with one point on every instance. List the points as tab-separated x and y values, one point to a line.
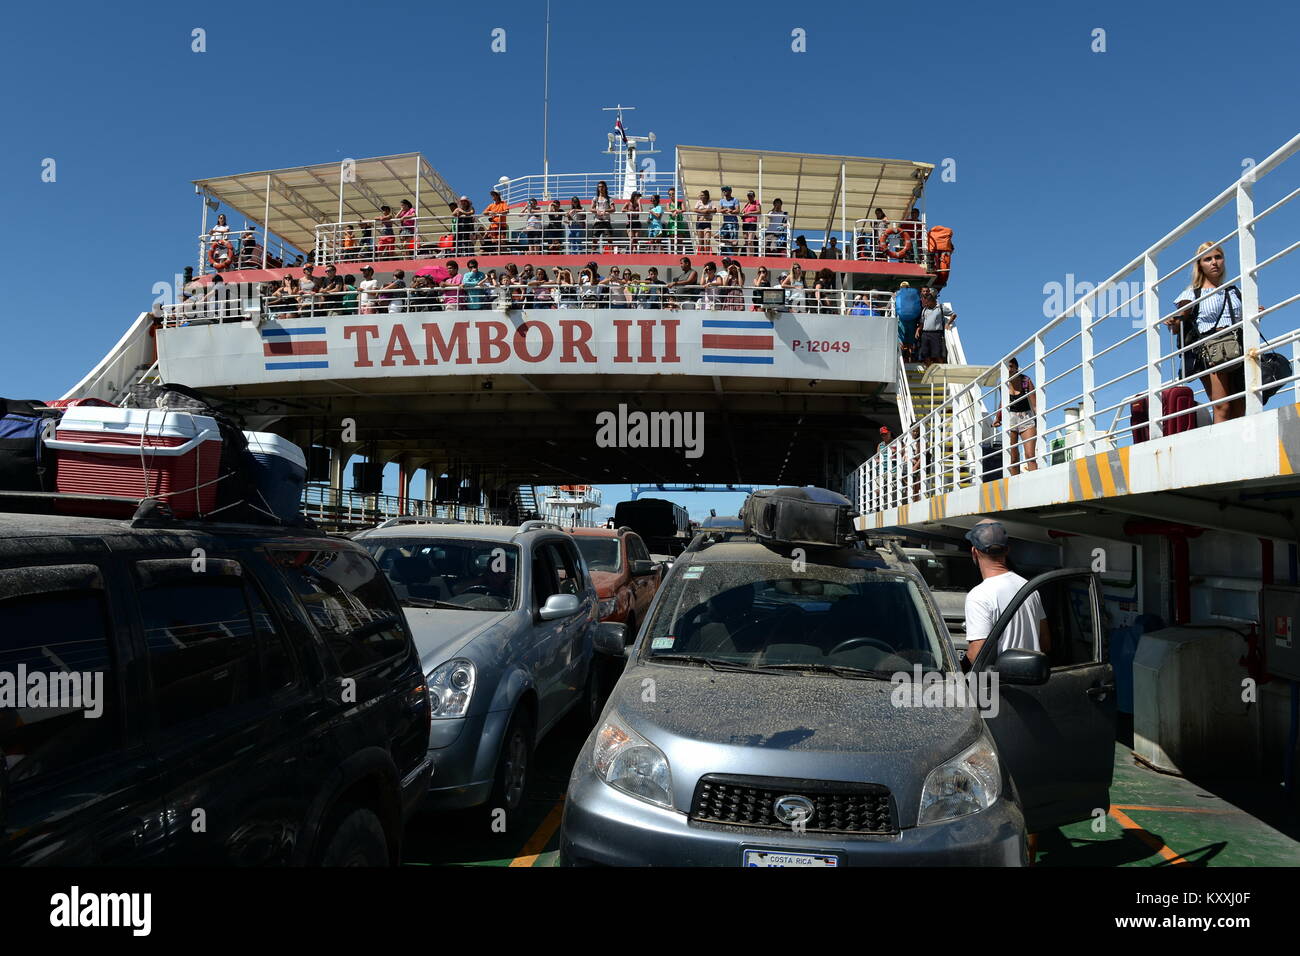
986	601
368	286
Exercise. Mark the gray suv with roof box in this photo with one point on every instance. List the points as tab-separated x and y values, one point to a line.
766	718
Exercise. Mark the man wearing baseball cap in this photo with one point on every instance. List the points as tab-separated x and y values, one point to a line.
990	550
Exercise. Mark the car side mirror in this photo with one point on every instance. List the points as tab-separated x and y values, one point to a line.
642	567
560	605
1023	667
610	638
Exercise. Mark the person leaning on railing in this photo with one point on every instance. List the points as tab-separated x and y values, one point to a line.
795	286
577	221
602	209
763	280
676	222
462	225
1022	425
1209	313
749	214
686	289
496	212
777	222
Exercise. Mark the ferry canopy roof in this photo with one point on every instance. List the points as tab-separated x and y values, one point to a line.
807	184
292	202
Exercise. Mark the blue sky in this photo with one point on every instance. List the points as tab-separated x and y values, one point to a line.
1067	161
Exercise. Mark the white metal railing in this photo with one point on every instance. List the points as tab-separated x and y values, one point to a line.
1108	358
344	506
564	186
244	250
890	240
582	231
231	302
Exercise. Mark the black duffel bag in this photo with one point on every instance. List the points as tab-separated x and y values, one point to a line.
25	463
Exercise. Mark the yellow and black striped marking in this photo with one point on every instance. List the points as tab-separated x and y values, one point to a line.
938	507
1288	439
1100	476
994	495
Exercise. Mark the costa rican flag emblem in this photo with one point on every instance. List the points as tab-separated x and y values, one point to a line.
292	345
738	341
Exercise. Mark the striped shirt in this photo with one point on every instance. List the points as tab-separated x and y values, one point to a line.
1211	308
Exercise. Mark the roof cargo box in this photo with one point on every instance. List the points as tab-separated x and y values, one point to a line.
813	517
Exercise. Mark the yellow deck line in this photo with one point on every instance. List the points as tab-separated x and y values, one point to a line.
1150	839
1106	475
541	836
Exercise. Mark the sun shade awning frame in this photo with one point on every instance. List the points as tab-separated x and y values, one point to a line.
292	202
808	184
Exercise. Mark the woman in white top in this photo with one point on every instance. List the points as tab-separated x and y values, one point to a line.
220	230
711	299
1207	316
794	284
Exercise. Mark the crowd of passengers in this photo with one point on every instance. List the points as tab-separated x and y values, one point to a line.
447	287
637	224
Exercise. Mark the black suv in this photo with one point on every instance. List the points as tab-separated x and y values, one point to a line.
202	693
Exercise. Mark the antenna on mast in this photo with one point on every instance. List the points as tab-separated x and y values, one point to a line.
546	105
624	149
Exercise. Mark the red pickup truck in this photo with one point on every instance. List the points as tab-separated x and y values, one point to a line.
625	577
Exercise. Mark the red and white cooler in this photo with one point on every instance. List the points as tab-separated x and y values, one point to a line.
135	453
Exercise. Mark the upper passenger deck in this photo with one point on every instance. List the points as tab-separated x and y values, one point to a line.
809	249
1127	421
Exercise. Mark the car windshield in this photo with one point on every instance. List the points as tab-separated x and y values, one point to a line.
845	620
601	554
448	572
947	572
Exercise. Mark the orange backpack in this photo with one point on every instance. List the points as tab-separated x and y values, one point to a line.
939	239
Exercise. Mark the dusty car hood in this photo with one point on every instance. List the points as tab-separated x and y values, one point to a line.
441	633
790	725
606	582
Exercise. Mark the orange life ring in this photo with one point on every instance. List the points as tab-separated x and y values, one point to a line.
229	259
883	245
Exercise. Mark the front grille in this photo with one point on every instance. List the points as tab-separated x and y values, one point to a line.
751	802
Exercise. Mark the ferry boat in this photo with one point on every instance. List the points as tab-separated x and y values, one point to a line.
495	389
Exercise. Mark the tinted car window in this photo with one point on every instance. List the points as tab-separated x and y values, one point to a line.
636	549
601	554
565	562
58	635
947	572
201	646
761	613
479	575
350	603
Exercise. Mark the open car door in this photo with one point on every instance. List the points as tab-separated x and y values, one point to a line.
1058	738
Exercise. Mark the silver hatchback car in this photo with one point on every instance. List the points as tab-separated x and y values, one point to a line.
759	721
504	620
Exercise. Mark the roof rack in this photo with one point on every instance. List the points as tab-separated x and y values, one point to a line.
414	519
536	524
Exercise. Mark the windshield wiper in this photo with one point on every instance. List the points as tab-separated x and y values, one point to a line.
430	602
717	665
840	670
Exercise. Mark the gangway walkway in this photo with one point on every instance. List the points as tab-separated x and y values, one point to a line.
1107	352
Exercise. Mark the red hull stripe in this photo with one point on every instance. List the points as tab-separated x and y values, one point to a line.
759	342
290	347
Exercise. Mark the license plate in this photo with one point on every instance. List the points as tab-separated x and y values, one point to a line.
781	858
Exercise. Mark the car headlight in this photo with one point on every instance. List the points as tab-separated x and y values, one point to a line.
451	685
607	607
627	761
968	783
